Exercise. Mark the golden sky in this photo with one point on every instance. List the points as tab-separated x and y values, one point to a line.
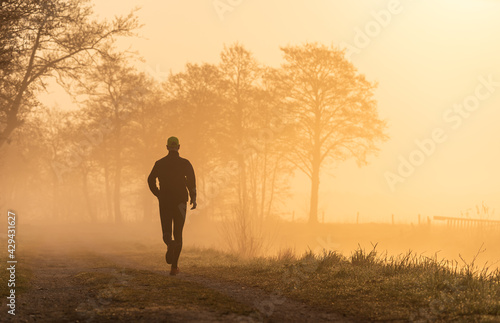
438	68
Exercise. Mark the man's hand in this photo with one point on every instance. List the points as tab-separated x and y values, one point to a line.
193	203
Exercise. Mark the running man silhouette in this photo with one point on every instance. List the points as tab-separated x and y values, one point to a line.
174	174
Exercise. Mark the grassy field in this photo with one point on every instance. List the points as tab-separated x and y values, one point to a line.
120	274
365	286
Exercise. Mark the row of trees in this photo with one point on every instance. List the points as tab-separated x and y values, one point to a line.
245	127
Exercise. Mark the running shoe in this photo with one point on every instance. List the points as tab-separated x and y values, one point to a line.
174	271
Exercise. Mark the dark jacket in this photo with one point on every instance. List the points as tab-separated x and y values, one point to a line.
174	174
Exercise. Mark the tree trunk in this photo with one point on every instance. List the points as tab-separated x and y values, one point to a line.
5	134
117	187
55	200
313	211
243	186
147	215
86	194
316	164
108	190
272	189
243	193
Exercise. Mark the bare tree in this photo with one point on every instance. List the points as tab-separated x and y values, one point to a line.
252	134
146	136
44	39
114	92
196	101
334	109
241	73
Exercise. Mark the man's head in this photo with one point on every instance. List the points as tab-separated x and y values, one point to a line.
173	144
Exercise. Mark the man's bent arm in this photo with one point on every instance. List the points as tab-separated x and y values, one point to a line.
152	181
191	182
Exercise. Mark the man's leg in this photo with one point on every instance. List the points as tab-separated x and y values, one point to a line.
179	219
166	222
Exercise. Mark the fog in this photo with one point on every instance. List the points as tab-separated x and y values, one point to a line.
325	126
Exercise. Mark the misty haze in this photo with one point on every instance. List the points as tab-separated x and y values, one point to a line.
250	161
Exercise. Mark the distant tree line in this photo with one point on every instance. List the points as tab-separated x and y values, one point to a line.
246	127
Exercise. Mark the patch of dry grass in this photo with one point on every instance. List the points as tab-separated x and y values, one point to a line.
366	285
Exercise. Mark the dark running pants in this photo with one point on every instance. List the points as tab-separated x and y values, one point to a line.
173	213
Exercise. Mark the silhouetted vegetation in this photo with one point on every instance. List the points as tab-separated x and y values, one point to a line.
246	127
367	285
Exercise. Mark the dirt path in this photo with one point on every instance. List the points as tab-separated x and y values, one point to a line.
79	284
268	307
56	294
